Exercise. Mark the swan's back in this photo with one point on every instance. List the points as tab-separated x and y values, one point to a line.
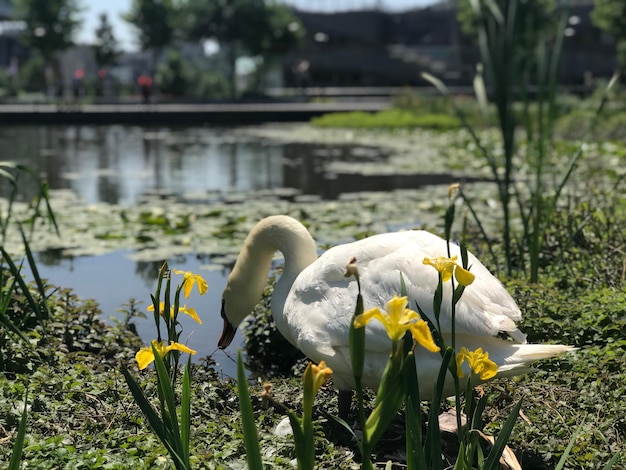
321	302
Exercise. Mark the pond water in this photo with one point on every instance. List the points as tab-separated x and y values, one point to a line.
124	165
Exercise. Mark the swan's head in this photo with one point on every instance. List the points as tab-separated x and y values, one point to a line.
239	298
228	333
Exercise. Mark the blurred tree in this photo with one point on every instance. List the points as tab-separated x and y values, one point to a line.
281	32
610	15
156	22
242	27
174	75
106	50
178	76
50	27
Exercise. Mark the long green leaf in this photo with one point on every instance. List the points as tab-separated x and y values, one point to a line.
144	405
35	272
432	446
493	459
300	443
568	449
170	417
15	272
413	422
250	436
5	300
612	461
389	400
157	425
18	445
185	411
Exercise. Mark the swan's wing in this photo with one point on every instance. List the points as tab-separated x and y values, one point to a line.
321	303
319	310
485	308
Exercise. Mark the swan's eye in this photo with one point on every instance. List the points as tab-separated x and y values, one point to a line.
223	312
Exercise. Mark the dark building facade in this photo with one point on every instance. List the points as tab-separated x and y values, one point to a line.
375	48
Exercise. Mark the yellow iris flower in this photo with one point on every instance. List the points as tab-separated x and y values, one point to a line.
316	375
181	309
189	279
397	320
145	356
479	363
449	266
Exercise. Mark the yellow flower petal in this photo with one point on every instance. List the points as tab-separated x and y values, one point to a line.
453	188
315	376
479	363
397	319
460	357
321	374
144	357
189	279
463	276
363	319
203	286
161	309
191	312
422	334
444	265
179	347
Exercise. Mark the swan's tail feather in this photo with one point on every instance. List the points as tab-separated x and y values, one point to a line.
520	356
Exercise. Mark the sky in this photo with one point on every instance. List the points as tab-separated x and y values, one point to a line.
124	33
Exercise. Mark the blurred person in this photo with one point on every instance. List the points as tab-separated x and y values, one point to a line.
77	82
145	83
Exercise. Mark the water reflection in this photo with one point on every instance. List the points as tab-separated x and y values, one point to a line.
119	165
122	165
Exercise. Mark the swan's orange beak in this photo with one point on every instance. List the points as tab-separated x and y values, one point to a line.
228	333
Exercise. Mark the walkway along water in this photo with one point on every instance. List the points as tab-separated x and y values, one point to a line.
215	113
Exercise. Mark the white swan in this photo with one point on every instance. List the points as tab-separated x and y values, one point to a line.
313	303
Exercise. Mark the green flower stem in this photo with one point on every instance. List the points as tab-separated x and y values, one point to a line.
357	356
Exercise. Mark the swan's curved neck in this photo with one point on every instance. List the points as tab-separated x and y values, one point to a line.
249	276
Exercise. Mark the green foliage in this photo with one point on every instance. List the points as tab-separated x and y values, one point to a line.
174	76
252	27
387	119
506	32
574	125
17	318
268	353
178	76
613	128
106	49
210	85
50	24
155	20
610	15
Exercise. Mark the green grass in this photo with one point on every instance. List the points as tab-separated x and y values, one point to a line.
387	119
